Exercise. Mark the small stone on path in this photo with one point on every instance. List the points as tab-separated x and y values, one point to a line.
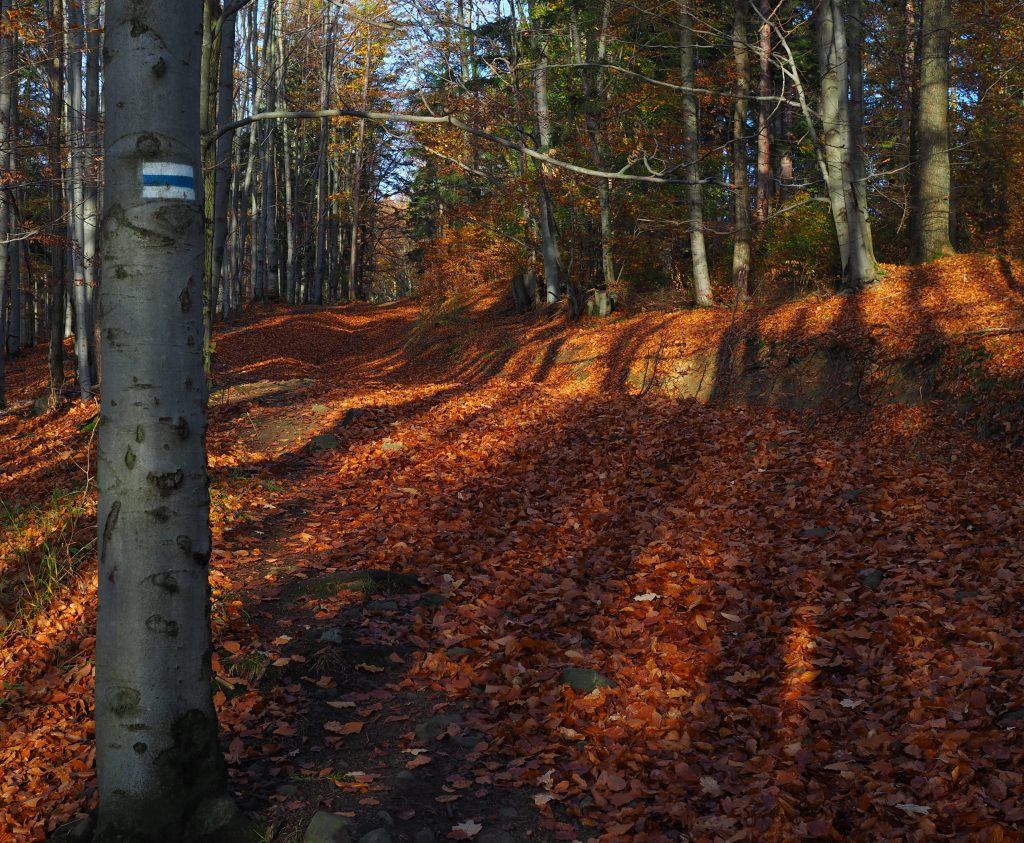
325	442
378	835
584	681
326	827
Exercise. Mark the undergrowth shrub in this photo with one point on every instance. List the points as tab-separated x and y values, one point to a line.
462	260
795	253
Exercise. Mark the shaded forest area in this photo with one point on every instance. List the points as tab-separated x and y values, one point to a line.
588	421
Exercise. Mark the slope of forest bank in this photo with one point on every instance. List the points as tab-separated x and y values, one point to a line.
607	614
946	337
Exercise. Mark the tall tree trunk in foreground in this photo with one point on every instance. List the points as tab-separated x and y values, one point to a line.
691	156
157	757
740	186
932	190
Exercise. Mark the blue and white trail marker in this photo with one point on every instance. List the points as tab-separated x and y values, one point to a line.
163	180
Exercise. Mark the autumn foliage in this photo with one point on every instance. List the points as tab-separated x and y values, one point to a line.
808	620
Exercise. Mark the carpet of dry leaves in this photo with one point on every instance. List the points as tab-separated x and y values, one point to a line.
812	622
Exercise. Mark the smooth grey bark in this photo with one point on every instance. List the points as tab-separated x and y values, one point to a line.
54	137
291	271
764	112
591	79
17	329
741	189
357	176
290	263
835	128
92	197
549	248
264	227
222	165
691	156
322	186
250	186
209	68
850	218
80	297
931	221
157	754
858	154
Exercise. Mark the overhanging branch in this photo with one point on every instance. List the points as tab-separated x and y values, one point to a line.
443	120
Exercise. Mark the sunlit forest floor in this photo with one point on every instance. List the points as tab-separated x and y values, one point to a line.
596	608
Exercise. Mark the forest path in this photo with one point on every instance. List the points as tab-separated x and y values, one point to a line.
648	618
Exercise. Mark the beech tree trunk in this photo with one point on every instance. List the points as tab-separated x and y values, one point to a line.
764	112
6	92
858	165
355	286
691	156
158	761
932	191
849	215
58	288
80	297
91	206
549	248
740	186
322	186
221	180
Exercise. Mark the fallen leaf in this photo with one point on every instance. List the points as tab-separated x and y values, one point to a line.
465	830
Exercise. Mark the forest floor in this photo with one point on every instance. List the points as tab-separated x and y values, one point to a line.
485	576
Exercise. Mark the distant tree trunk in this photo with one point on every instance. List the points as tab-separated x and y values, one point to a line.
858	166
741	189
931	222
550	251
851	220
17	331
209	69
291	263
322	186
834	122
764	113
354	281
54	137
691	156
80	297
6	141
157	756
591	80
92	152
264	207
222	165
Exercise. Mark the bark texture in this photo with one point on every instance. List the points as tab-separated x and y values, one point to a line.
741	188
691	155
932	208
156	731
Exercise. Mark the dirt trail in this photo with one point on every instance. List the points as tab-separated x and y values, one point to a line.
611	615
